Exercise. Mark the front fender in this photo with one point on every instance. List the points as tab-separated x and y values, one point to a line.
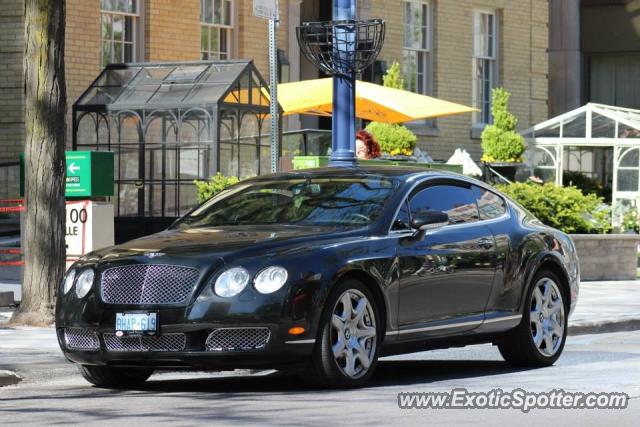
374	265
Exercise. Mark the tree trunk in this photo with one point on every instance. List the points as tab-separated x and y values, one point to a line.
45	112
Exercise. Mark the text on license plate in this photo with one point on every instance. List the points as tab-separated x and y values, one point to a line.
137	322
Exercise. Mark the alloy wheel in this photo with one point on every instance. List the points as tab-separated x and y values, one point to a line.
353	333
547	317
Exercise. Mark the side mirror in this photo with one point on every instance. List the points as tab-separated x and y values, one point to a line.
428	220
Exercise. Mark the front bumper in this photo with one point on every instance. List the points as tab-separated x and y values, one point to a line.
278	352
278	312
294	305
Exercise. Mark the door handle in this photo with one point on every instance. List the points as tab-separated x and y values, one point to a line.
485	243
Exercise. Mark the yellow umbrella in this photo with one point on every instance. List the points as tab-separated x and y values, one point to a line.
373	102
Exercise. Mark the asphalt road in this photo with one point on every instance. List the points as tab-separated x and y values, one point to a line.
605	362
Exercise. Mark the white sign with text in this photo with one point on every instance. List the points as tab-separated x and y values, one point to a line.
89	226
265	9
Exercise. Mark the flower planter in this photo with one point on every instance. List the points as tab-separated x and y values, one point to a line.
506	169
607	256
306	162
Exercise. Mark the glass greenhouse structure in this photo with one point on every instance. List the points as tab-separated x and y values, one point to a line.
169	124
596	142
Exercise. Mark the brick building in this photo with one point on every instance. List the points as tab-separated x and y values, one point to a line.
452	49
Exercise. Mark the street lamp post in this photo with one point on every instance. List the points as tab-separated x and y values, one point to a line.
344	90
342	47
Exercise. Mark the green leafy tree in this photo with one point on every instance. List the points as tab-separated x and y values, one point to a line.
215	184
393	77
500	141
565	208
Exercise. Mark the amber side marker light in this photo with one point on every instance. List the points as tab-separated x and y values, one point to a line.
296	330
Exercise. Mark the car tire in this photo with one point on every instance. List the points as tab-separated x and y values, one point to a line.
347	358
106	376
539	339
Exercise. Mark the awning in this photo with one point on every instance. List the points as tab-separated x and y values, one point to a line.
373	102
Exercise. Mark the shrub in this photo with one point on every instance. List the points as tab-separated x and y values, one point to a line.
393	139
626	218
630	221
565	208
215	184
500	141
393	77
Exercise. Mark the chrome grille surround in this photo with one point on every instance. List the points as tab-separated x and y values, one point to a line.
238	339
148	284
141	343
81	339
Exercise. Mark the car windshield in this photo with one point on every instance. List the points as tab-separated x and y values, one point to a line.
348	202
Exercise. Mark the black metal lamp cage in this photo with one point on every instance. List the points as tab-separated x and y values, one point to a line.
342	47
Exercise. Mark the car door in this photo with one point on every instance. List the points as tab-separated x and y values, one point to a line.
448	275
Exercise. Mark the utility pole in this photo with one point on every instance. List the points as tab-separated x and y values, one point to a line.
269	9
273	83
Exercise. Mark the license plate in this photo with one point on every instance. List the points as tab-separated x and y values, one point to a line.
137	323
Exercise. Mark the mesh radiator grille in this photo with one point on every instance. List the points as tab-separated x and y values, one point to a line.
167	342
81	339
238	339
148	284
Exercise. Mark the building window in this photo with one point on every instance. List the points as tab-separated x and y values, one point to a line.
484	63
417	47
216	25
119	20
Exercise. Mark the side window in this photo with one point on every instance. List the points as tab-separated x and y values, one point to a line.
458	202
402	222
490	205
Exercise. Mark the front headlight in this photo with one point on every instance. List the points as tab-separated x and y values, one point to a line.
231	282
270	279
68	281
84	282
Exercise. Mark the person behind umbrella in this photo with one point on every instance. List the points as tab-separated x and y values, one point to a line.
366	146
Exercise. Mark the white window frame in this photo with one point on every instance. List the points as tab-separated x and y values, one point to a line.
425	51
490	61
135	37
217	27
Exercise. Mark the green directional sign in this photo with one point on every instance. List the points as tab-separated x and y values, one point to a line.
88	174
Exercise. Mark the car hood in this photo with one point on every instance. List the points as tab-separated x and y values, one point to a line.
226	241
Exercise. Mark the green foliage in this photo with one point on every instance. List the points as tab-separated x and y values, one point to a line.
215	184
393	77
627	216
565	208
393	139
500	141
630	221
585	184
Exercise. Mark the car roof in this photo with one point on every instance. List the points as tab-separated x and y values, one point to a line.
391	172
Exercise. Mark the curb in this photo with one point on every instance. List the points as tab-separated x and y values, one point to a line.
604	327
9	378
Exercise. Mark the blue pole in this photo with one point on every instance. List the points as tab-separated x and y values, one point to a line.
343	140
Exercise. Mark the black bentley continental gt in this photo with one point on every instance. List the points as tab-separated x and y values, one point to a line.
323	270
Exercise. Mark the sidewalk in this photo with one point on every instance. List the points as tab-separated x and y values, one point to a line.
606	307
33	353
